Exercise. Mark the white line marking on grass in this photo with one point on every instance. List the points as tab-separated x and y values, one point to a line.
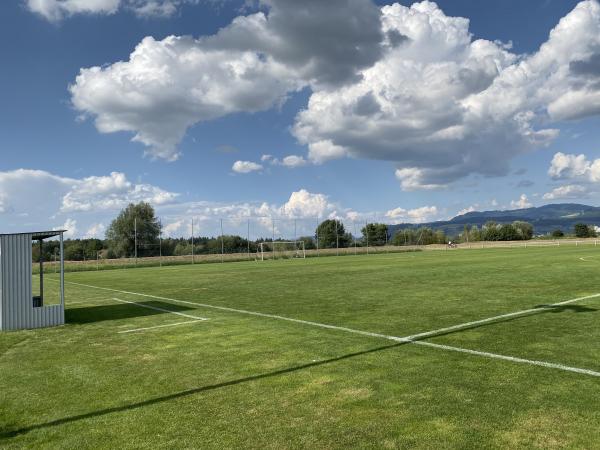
156	308
162	326
495	318
510	358
586	258
406	340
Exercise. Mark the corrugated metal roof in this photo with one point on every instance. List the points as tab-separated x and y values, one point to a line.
37	234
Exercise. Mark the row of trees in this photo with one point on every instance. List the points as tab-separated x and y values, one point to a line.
331	233
419	236
75	249
582	230
493	231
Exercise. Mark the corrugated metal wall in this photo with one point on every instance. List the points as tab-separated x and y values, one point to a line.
16	306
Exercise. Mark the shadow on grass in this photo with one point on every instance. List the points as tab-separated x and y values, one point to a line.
101	313
539	309
563	308
165	398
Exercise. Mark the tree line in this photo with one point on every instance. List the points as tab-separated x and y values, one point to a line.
493	231
136	231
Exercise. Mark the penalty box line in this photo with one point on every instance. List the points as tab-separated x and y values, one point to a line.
135	330
407	340
156	308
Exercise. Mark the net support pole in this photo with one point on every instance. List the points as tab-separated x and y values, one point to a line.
192	240
317	236
386	239
62	270
367	235
160	243
273	239
135	239
248	238
337	239
222	243
355	248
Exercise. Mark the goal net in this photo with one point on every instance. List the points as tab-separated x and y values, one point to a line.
280	250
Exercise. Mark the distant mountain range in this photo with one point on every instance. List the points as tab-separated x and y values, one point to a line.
544	219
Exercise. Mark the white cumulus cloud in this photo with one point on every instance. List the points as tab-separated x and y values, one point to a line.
96	230
290	161
412	179
154	8
251	65
305	204
568	191
298	213
568	166
173	228
57	10
3	201
293	161
522	203
112	192
581	175
409	85
70	227
443	105
416	215
168	85
466	210
245	167
44	196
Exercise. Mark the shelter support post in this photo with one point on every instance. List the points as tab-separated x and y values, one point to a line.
40	241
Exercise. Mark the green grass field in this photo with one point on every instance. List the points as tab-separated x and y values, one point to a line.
240	380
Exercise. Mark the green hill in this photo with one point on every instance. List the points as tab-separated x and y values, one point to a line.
545	218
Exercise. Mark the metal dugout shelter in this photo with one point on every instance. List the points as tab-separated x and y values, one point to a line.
19	309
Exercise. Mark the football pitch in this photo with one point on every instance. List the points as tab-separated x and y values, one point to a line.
494	348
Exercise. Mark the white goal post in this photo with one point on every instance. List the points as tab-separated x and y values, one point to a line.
280	250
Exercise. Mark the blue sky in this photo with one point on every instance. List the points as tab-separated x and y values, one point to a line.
390	111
